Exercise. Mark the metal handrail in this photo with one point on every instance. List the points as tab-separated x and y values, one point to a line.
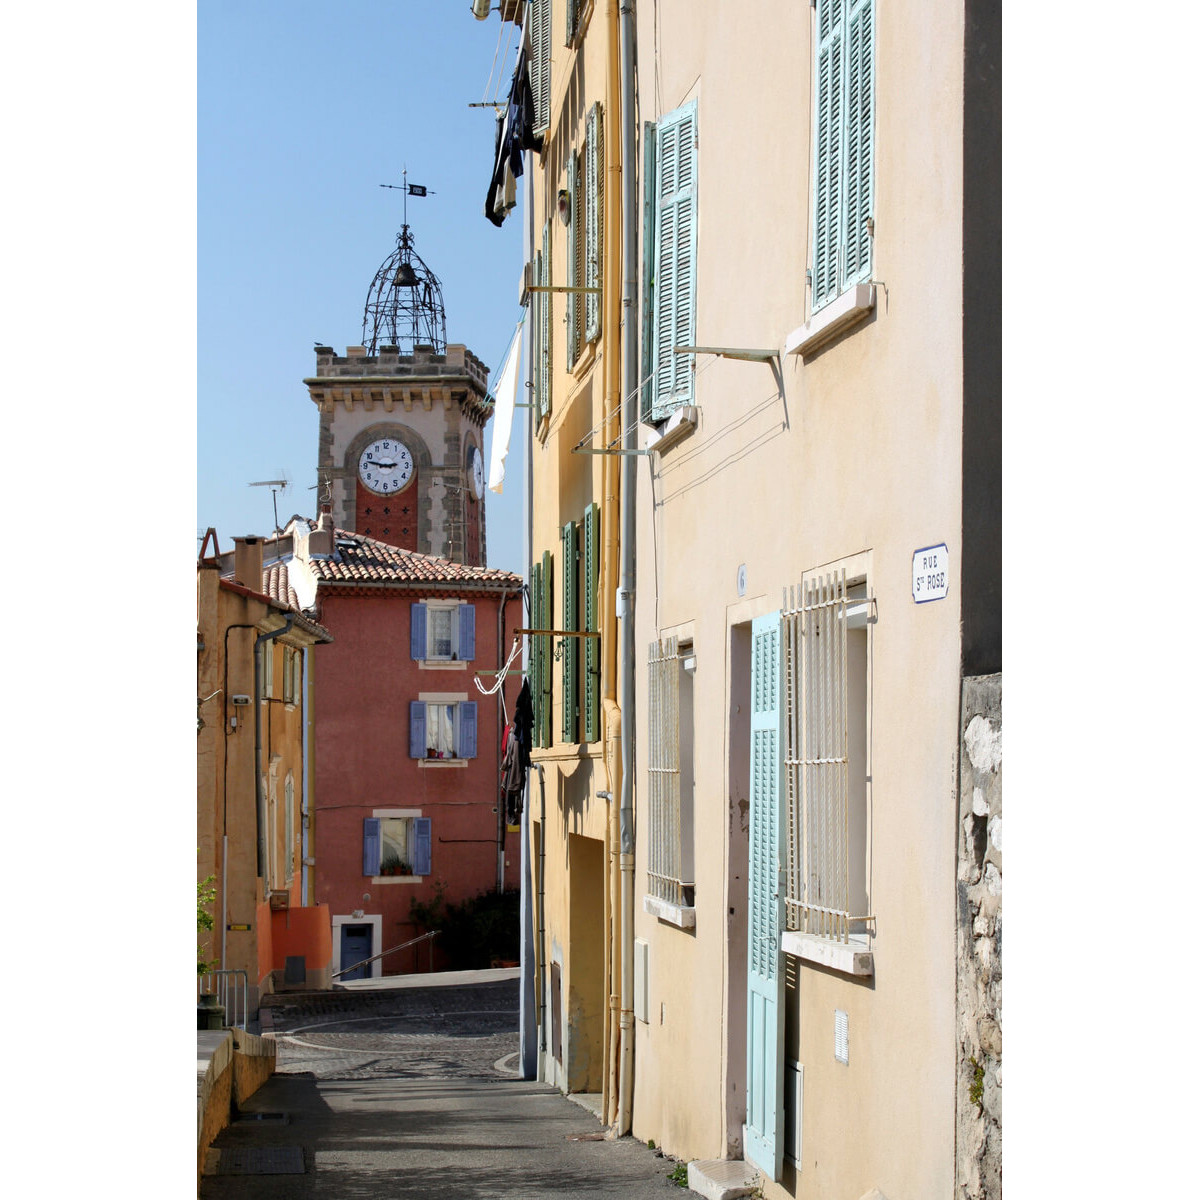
219	982
403	946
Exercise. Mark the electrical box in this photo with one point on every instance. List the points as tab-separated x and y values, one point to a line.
240	699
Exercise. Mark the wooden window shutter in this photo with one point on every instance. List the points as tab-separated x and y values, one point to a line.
591	622
539	63
574	261
594	218
547	672
372	845
416	729
859	141
570	646
466	632
674	259
827	141
417	628
535	649
646	383
422	845
468	729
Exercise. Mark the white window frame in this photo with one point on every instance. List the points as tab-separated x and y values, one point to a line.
451	700
670	875
827	647
391	814
438	606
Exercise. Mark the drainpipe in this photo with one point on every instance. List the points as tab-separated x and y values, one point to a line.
260	800
541	917
306	795
625	595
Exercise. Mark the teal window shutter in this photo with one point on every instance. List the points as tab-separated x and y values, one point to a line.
591	622
674	319
649	136
843	146
545	359
372	845
422	844
547	673
536	335
574	260
594	218
570	648
535	649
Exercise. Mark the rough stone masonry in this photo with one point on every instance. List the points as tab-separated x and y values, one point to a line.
978	1004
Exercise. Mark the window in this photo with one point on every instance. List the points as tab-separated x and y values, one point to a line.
570	645
292	659
591	623
826	686
538	14
397	846
844	146
443	631
543	346
541	681
593	218
575	260
669	240
671	874
268	670
580	577
442	727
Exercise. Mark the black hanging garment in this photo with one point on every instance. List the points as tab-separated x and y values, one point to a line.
514	760
514	133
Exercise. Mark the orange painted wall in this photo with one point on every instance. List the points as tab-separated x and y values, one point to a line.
262	923
301	931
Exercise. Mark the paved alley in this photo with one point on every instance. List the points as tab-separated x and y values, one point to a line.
413	1092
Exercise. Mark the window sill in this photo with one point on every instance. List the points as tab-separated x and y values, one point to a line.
381	879
426	664
442	762
852	306
851	958
673	914
680	424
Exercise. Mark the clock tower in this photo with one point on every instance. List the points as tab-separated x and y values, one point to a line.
400	453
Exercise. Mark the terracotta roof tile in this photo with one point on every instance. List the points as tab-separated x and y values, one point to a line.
364	561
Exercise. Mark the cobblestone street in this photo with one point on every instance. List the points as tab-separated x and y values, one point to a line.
414	1092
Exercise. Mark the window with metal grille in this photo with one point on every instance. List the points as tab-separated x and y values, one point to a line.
826	677
669	753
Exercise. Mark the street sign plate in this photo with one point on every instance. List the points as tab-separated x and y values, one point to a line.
931	573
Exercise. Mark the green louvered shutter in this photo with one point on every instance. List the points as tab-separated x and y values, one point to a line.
547	349
547	673
827	140
539	62
763	1133
574	260
535	366
674	259
573	7
570	646
645	383
860	124
535	650
594	217
591	622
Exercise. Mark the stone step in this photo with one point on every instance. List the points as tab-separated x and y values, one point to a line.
722	1178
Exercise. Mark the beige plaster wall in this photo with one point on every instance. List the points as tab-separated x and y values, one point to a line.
859	455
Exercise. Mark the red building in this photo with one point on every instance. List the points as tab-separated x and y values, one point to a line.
407	748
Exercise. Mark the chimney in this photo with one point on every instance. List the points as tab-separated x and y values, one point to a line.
247	562
320	538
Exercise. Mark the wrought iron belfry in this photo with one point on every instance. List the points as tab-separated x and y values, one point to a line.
404	304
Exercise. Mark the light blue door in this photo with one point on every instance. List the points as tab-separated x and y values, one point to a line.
764	1017
356	946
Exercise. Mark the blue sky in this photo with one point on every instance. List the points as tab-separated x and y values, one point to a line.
303	110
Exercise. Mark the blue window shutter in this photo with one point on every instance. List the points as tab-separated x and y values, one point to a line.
859	140
422	845
372	844
649	137
828	167
763	1133
574	258
416	729
539	62
418	631
468	726
466	631
674	321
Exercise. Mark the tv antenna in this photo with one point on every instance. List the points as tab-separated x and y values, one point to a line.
276	486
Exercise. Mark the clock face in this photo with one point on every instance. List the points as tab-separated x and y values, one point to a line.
477	473
385	466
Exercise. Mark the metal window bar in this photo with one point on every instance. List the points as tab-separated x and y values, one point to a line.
816	759
232	989
665	868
